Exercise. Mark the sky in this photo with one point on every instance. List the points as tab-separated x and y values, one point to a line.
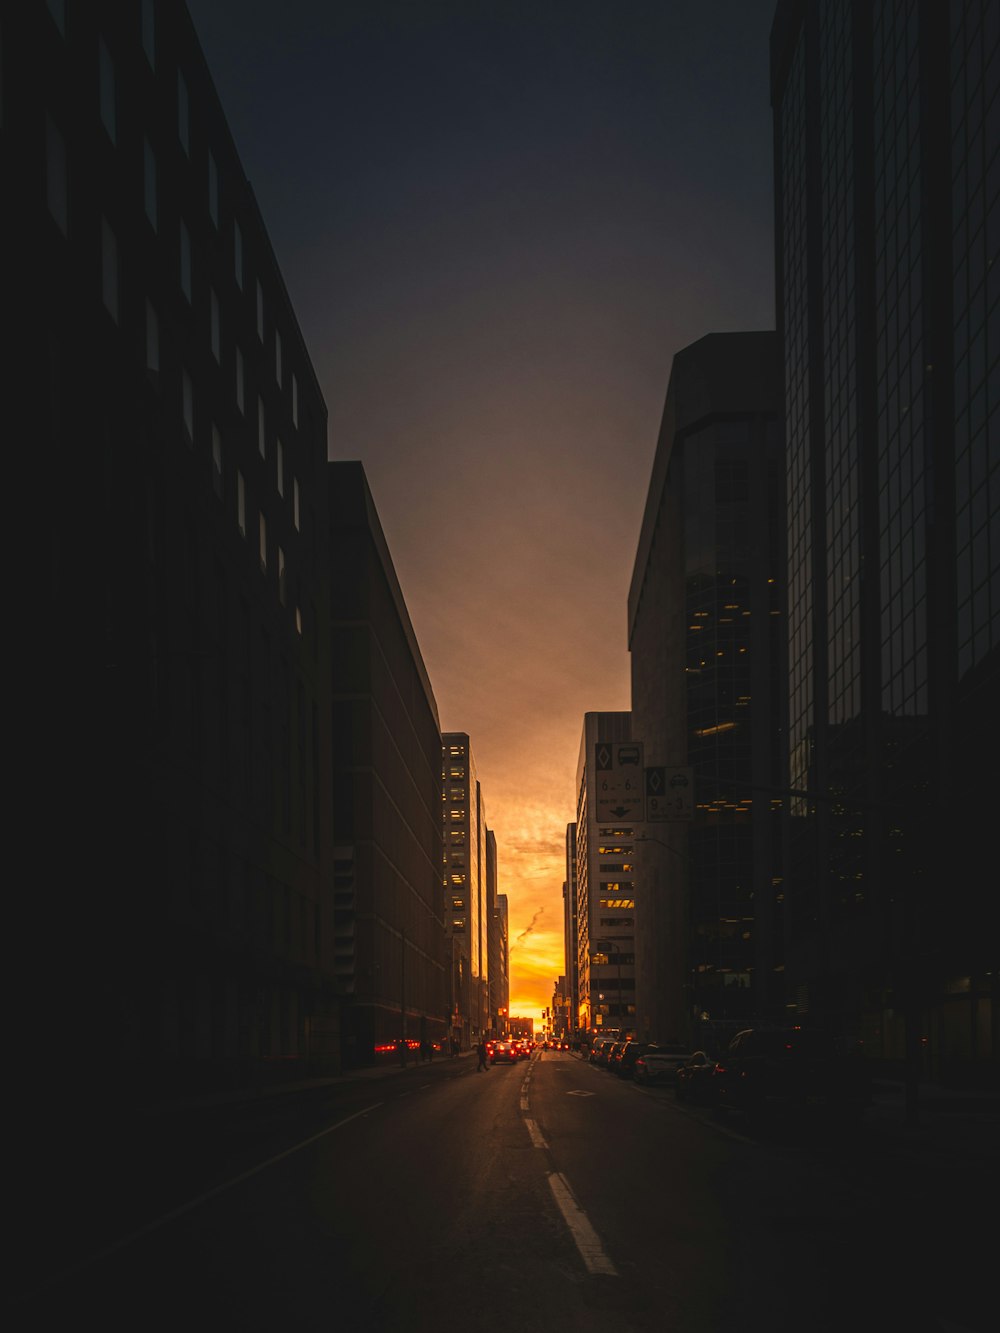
498	220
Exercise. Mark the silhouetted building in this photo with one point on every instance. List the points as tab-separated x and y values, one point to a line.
172	672
886	170
466	883
500	965
388	927
706	635
606	885
571	930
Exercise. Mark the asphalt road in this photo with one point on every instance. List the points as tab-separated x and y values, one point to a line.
546	1195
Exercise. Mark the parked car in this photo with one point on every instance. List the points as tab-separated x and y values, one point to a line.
503	1053
614	1056
791	1071
631	1052
599	1048
695	1080
658	1066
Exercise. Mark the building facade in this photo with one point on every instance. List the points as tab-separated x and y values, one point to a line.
175	692
707	643
389	936
886	175
606	889
466	884
571	932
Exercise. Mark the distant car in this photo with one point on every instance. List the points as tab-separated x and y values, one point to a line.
695	1080
658	1066
503	1053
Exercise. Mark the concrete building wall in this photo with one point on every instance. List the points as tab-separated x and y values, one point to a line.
174	694
386	762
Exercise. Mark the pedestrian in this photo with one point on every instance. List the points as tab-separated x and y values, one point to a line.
454	1047
481	1055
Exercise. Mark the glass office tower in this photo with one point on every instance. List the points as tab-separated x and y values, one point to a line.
887	214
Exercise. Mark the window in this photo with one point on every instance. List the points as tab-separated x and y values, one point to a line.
295	401
216	461
281	576
238	254
213	189
187	404
262	530
109	270
57	8
281	468
185	261
55	168
183	114
241	504
295	503
149	184
260	311
277	357
261	429
240	399
215	322
109	118
152	338
149	31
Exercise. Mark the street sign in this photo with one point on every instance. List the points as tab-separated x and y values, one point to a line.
618	782
669	794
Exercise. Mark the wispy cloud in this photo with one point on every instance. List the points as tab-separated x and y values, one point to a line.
529	928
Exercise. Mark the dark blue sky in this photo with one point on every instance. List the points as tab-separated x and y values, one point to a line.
498	221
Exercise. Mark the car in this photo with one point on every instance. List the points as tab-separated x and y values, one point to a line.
503	1053
615	1053
791	1071
625	1066
599	1049
696	1079
658	1066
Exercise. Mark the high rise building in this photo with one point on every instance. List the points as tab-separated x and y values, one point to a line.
388	927
172	731
606	888
887	173
466	884
570	931
707	643
500	966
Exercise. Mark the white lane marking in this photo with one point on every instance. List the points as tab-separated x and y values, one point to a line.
586	1238
536	1134
579	1092
524	1103
188	1207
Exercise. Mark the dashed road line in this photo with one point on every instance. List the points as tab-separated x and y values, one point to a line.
586	1238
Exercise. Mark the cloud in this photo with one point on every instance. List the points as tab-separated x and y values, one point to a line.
529	928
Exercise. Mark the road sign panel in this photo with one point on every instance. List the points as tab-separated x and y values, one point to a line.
618	780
